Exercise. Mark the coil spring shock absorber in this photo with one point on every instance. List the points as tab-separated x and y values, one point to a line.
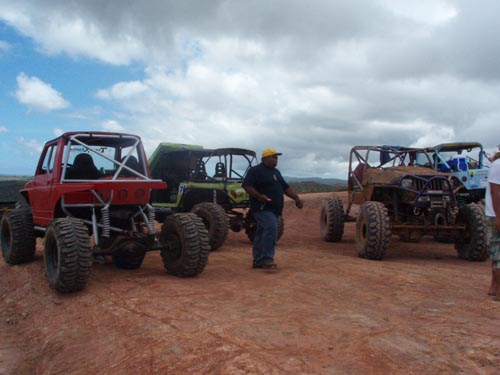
151	217
105	220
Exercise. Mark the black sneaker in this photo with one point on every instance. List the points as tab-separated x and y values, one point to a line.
268	265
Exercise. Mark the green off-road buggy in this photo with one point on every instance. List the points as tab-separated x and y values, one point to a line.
207	182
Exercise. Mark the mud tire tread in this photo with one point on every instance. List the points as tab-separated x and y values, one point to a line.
332	219
378	231
476	249
68	237
187	245
216	222
17	236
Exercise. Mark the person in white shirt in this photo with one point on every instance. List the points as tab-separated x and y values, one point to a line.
491	157
492	211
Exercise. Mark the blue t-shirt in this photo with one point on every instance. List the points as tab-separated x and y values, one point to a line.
267	181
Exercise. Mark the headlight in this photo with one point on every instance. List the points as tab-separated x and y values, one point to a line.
407	183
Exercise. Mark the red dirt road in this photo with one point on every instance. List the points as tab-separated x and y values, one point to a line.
326	311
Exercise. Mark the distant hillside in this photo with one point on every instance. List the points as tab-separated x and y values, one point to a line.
325	181
6	177
316	184
9	188
315	187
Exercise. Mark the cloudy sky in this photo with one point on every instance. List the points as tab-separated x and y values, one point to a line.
310	78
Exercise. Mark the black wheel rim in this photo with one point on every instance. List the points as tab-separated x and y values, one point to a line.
6	237
174	248
362	232
324	220
51	256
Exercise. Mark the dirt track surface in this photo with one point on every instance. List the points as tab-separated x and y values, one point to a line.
326	311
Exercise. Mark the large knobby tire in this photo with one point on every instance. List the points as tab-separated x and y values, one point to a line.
251	226
372	231
215	220
472	245
186	245
332	219
17	236
67	255
444	217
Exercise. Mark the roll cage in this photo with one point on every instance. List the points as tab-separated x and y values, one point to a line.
395	167
362	157
59	188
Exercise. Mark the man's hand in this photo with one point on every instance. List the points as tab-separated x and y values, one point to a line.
299	203
264	198
291	194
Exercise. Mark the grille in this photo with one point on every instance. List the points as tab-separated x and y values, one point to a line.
438	184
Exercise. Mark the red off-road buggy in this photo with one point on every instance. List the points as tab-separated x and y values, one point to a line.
89	199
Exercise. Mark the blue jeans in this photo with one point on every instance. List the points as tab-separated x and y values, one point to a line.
266	236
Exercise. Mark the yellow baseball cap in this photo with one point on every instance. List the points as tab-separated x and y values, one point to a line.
270	152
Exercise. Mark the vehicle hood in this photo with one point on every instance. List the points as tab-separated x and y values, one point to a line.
394	174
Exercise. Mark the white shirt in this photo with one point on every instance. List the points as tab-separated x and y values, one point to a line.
493	178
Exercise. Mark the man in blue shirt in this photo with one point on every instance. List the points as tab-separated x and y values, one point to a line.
266	188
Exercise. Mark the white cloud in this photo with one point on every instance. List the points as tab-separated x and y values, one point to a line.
122	90
112	126
38	95
3	129
57	132
431	134
310	79
31	146
430	12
